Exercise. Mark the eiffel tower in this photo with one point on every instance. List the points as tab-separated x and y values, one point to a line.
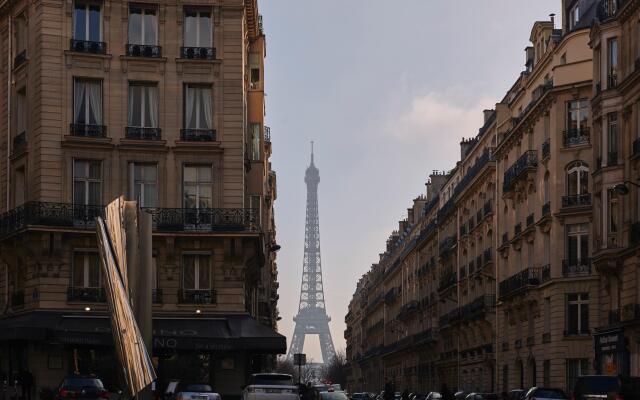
312	318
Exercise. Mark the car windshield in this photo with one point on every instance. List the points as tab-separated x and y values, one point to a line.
79	383
550	394
333	396
597	384
195	387
276	380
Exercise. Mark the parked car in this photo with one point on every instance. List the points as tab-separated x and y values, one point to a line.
482	396
538	393
333	395
590	387
195	391
360	396
461	395
270	386
516	394
81	387
434	396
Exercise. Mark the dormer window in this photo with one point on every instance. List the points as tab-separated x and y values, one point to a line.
574	16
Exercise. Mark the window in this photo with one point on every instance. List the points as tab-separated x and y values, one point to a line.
578	314
198	108
546	373
197	186
21	111
612	138
577	179
86	270
547	125
547	248
254	65
546	188
577	118
613	62
21	35
574	16
256	204
143	105
87	24
19	185
613	211
144	184
576	367
197	29
87	182
143	25
577	243
255	142
87	102
196	272
547	315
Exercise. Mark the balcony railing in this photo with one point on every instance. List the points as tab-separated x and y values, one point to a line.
576	200
86	294
546	148
528	278
87	46
576	267
19	140
608	9
88	130
204	219
198	135
576	137
530	220
198	53
164	219
517	229
142	133
505	238
528	161
20	58
478	306
447	281
143	50
391	295
448	243
17	298
197	296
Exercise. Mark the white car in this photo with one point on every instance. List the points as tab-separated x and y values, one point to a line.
191	391
434	396
270	387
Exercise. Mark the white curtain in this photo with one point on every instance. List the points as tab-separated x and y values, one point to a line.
190	103
206	105
78	100
132	94
150	28
190	30
135	27
95	99
152	105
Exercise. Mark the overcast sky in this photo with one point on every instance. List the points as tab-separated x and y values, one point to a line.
386	89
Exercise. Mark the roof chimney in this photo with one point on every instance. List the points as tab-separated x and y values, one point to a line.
553	19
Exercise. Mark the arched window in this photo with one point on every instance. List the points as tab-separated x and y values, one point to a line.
577	178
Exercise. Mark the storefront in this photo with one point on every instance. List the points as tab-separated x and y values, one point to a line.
219	350
611	353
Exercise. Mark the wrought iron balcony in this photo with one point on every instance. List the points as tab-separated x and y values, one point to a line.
17	298
49	214
576	137
142	133
447	280
472	172
408	310
527	161
267	134
391	295
517	229
546	272
204	219
546	148
530	220
576	267
198	135
20	58
523	280
505	238
88	46
636	147
612	81
576	200
143	50
447	244
198	53
546	208
449	318
19	140
478	307
86	294
88	130
608	9
197	296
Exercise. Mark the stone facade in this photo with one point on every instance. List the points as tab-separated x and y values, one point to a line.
164	103
505	271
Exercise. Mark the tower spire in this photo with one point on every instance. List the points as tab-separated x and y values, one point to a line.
312	152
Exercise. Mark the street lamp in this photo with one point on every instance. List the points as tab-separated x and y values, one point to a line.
622	188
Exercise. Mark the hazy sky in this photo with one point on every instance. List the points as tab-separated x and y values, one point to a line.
386	89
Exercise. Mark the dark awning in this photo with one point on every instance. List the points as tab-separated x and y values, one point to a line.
228	333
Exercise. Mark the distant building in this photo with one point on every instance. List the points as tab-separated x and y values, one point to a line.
163	103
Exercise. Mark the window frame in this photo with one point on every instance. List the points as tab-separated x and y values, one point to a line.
577	168
197	256
87	107
143	183
144	9
578	235
578	303
146	87
613	54
86	180
199	18
198	87
197	184
87	28
86	267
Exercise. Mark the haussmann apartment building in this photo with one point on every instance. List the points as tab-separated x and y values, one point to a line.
519	267
162	102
